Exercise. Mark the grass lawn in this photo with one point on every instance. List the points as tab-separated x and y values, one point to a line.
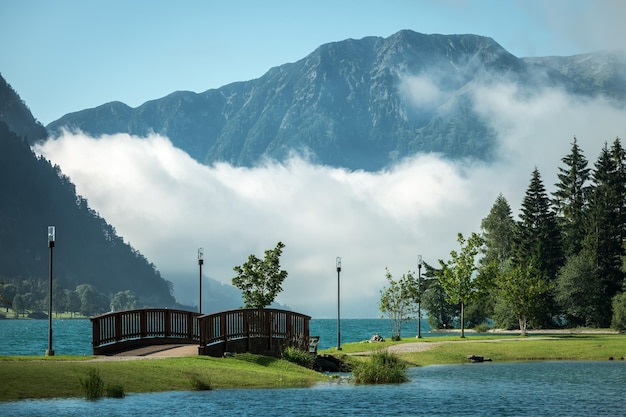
41	377
452	349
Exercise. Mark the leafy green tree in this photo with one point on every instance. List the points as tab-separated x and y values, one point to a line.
7	294
260	280
522	289
72	300
397	301
618	321
457	276
19	304
124	300
579	292
538	240
571	199
93	302
439	312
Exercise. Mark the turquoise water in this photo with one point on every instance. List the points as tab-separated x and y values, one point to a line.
489	389
73	337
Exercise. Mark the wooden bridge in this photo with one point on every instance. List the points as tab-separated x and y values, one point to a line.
266	331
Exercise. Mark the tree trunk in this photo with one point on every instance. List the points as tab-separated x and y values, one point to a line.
523	323
462	320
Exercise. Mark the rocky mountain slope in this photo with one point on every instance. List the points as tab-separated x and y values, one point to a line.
353	103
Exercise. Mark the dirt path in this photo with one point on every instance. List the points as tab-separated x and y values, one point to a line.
424	346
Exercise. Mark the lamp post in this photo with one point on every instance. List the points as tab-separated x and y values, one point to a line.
419	295
51	238
338	263
200	262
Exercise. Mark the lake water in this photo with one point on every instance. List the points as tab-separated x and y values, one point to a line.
73	337
487	389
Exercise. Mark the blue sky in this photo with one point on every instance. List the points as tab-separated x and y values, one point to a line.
68	55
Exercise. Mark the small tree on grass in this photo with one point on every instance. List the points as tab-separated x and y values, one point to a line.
397	301
523	290
260	280
457	275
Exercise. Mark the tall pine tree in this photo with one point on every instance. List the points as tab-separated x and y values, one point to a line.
498	232
605	227
538	239
571	199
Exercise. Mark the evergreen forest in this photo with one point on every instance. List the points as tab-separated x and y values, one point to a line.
560	264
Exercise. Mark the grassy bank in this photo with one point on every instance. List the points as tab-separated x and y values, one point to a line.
453	350
59	377
41	377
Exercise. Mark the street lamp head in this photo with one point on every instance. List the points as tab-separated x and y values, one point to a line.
51	236
200	256
419	261
338	263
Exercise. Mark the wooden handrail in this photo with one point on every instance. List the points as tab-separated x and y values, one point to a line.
123	327
247	330
235	330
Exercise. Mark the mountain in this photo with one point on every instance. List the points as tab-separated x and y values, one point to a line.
33	195
348	103
597	73
16	115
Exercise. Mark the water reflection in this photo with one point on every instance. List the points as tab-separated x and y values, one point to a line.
493	389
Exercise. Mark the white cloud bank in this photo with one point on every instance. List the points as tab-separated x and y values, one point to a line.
167	205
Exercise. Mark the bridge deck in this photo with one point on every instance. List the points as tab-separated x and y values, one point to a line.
156	331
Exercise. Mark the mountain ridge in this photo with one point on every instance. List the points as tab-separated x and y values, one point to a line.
341	105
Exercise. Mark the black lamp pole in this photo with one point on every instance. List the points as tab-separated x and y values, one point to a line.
200	262
338	304
51	238
419	295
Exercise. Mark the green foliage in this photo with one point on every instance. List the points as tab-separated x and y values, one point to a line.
382	368
457	276
397	301
124	300
571	199
93	385
606	231
482	328
619	312
440	313
298	356
260	280
199	383
498	233
579	292
523	290
115	391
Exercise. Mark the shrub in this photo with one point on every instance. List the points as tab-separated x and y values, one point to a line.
93	385
298	356
200	384
115	391
383	368
482	328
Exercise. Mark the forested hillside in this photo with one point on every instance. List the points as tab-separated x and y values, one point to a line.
33	195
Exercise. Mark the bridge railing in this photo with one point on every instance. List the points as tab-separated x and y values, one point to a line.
264	331
119	330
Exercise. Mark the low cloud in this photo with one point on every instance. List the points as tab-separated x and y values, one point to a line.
167	205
